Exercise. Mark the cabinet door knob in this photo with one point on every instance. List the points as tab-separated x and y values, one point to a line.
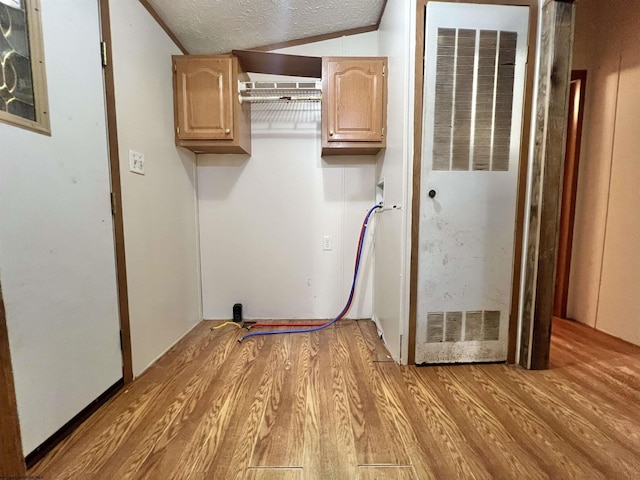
331	133
227	131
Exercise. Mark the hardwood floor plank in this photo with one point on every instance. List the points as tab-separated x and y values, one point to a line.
604	389
426	462
186	390
587	342
329	450
227	450
105	444
177	451
622	424
386	473
610	371
61	456
322	402
483	431
278	441
312	448
436	446
255	473
578	431
185	351
555	457
74	448
369	332
376	439
626	421
594	338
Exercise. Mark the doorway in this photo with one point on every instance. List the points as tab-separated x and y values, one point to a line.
59	268
577	92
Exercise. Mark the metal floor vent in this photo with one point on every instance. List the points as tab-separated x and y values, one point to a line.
475	72
472	326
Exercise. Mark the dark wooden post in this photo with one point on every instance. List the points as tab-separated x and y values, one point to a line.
546	176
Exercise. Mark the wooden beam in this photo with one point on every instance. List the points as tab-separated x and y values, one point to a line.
546	174
164	26
11	456
279	64
316	38
384	7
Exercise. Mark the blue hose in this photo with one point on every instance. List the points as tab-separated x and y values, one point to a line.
351	293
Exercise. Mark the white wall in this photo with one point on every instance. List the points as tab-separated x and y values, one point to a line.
262	218
56	238
159	208
605	279
595	162
396	40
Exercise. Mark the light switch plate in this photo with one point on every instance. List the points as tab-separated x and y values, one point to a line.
136	162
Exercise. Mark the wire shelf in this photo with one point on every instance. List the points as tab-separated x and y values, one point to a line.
279	91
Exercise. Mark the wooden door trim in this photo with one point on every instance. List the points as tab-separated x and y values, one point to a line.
522	175
569	191
11	455
116	190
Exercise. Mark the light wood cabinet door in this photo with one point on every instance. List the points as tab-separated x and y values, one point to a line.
355	93
204	98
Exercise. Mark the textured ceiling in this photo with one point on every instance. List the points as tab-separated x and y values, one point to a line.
219	26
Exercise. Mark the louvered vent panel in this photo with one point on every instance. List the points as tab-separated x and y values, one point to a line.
453	327
504	100
491	325
435	327
485	99
472	326
445	67
473	99
463	96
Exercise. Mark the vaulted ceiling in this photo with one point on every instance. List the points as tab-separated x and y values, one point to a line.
219	26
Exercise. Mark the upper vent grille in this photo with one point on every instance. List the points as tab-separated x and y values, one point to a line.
473	99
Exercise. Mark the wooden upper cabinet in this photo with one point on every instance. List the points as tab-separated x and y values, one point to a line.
204	90
209	117
354	106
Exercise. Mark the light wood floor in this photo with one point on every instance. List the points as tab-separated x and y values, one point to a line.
331	405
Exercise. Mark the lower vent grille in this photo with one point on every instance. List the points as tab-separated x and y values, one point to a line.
471	326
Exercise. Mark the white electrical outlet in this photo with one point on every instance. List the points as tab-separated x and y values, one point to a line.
136	162
327	242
